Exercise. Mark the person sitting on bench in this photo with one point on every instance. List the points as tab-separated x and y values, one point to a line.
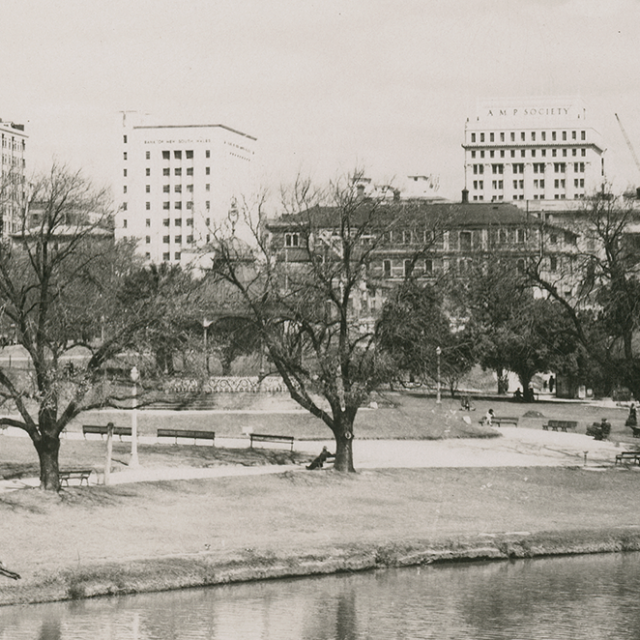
318	462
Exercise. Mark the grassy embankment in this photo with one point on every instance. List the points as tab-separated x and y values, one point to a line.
149	536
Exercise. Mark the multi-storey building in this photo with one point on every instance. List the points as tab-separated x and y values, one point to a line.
425	241
178	184
532	149
12	175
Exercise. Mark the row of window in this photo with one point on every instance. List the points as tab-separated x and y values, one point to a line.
532	153
478	185
13	144
428	267
538	167
166	155
533	136
167	239
166	171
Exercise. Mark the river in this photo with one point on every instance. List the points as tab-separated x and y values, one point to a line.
582	597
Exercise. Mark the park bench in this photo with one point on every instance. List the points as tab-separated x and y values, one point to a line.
187	433
630	456
560	425
500	420
262	437
102	431
75	474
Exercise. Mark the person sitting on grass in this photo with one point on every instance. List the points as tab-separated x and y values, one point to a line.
321	459
600	431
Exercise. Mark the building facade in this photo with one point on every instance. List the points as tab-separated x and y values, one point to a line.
532	149
13	176
178	185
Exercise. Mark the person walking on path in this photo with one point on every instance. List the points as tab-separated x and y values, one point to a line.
632	420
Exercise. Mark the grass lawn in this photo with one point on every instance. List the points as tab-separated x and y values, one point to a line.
116	537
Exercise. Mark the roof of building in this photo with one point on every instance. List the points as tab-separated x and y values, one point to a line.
469	215
193	126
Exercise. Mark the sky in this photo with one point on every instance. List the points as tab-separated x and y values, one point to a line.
325	86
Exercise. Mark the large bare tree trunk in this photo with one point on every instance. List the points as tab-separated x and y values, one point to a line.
48	448
344	449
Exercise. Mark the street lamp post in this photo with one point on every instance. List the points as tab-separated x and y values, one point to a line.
133	461
438	353
205	326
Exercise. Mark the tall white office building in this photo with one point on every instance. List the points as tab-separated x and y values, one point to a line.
12	176
179	183
532	149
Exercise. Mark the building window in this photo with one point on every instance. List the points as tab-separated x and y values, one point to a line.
189	222
553	135
189	239
124	189
124	206
583	135
124	224
166	222
583	152
564	153
492	153
177	205
543	135
482	154
522	136
166	256
178	188
178	239
148	155
482	137
190	188
166	188
124	173
166	155
124	139
177	255
465	241
207	171
148	205
207	154
497	168
178	222
502	136
178	171
564	135
189	171
190	204
491	137
406	237
291	239
148	188
207	221
533	136
148	171
147	256
386	267
428	266
148	222
166	171
147	239
124	155
207	206
407	268
177	155
189	154
518	168
166	205
207	187
165	239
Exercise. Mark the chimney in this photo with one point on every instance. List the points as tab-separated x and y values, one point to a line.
465	196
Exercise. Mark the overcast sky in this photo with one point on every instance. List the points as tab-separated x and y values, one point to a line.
324	85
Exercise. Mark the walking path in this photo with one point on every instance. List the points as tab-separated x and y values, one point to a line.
518	447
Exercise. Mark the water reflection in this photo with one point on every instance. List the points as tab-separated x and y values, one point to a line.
584	597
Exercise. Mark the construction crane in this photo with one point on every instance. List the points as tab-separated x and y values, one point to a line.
631	149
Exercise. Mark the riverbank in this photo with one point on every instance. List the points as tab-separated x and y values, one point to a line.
162	535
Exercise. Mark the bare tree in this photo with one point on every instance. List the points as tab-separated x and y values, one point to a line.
60	274
307	283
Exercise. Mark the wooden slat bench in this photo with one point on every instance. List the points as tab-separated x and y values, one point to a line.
102	431
628	456
500	420
74	474
560	425
262	437
187	433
